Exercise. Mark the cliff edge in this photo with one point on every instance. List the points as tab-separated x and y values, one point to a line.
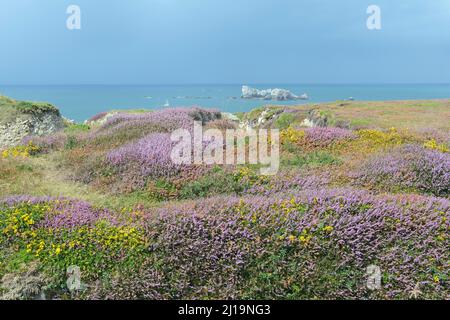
19	119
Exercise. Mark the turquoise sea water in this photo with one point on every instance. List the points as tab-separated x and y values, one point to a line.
82	102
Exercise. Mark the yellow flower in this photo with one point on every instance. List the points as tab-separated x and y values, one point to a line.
21	151
291	238
328	228
291	135
432	144
436	279
305	239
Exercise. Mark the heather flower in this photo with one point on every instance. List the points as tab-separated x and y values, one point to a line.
72	214
151	154
62	212
47	143
284	246
316	137
408	167
440	136
288	182
166	120
323	137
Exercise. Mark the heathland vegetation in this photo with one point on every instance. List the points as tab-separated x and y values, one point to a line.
371	188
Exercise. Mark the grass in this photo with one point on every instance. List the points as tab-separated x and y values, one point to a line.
312	159
415	115
43	176
10	109
284	121
360	123
76	128
386	114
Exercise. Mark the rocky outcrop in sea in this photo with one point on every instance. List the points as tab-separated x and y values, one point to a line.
270	94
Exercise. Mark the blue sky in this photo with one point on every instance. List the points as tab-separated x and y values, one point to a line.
224	41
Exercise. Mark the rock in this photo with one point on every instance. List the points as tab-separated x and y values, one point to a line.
101	118
230	116
343	124
315	119
264	118
304	96
28	284
307	123
21	119
270	94
68	121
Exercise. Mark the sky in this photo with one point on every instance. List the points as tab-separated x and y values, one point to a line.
224	42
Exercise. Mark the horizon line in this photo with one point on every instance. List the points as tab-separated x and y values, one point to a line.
226	84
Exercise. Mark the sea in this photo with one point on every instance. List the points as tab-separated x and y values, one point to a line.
80	102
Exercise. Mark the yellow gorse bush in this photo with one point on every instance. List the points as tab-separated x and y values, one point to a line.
247	174
382	138
291	135
83	245
21	151
20	221
432	144
372	140
105	237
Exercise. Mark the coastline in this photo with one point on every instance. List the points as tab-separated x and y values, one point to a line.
82	102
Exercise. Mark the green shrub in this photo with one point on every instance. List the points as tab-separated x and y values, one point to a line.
77	128
36	108
11	110
71	142
312	159
217	182
284	120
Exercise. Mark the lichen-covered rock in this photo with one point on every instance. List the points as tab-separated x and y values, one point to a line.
315	119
